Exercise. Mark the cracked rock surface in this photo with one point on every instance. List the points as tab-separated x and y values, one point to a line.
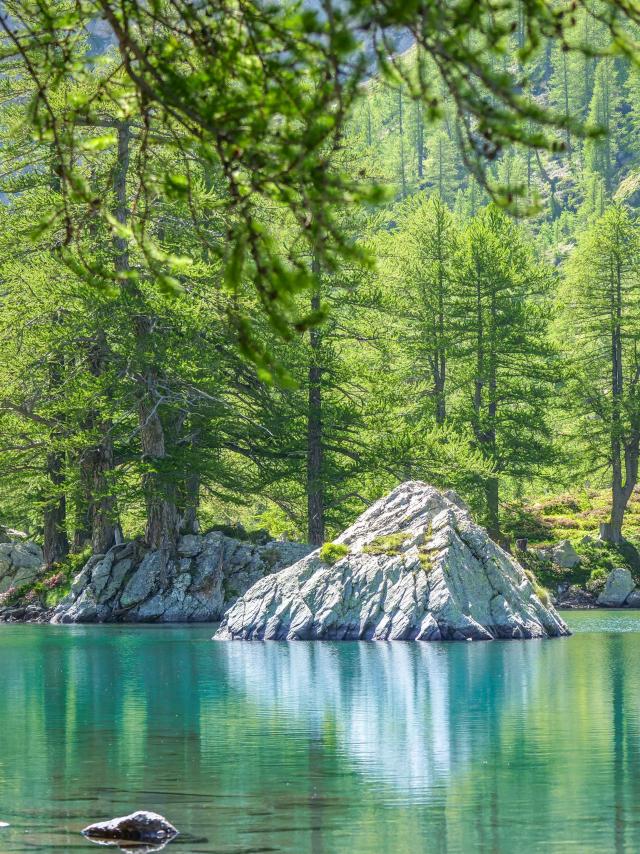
207	575
417	568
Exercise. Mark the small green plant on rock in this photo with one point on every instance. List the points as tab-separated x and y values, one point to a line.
389	545
425	558
541	592
332	552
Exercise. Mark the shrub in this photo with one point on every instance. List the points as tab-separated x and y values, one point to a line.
332	552
597	580
55	580
8	597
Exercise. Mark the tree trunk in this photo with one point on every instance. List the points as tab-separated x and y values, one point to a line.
81	501
565	87
441	356
56	542
159	489
620	490
493	512
315	489
189	504
162	514
420	140
403	177
614	527
485	403
103	504
97	462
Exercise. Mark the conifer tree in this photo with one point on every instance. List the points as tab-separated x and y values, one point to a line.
599	330
506	363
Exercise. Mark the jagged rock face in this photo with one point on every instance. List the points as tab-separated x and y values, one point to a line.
417	568
208	574
20	563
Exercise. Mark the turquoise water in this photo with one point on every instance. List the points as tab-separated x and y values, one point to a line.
518	746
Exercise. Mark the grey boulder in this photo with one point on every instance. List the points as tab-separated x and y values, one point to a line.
205	576
563	554
416	568
138	829
618	586
21	563
633	599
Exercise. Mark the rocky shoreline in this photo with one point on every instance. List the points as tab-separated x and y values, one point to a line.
209	573
135	585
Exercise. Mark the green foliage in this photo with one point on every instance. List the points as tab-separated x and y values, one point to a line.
597	579
541	592
333	552
425	558
248	277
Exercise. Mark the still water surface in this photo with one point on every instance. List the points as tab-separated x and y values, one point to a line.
518	746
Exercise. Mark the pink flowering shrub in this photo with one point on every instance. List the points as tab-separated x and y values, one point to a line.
7	595
55	580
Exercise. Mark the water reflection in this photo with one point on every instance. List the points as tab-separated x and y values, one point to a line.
501	747
407	714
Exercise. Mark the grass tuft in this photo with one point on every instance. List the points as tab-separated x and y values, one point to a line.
333	552
389	545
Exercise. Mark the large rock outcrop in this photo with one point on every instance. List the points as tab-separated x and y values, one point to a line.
415	567
129	584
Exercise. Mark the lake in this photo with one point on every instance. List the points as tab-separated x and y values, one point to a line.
513	746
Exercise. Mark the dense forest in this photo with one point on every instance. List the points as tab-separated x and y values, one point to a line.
477	329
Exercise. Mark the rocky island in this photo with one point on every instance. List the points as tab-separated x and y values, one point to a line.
414	566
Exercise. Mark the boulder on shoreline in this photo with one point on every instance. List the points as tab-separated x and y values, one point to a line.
208	573
618	588
414	566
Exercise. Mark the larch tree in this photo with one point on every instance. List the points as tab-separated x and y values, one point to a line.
506	363
421	260
599	330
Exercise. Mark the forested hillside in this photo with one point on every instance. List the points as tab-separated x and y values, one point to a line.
485	345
